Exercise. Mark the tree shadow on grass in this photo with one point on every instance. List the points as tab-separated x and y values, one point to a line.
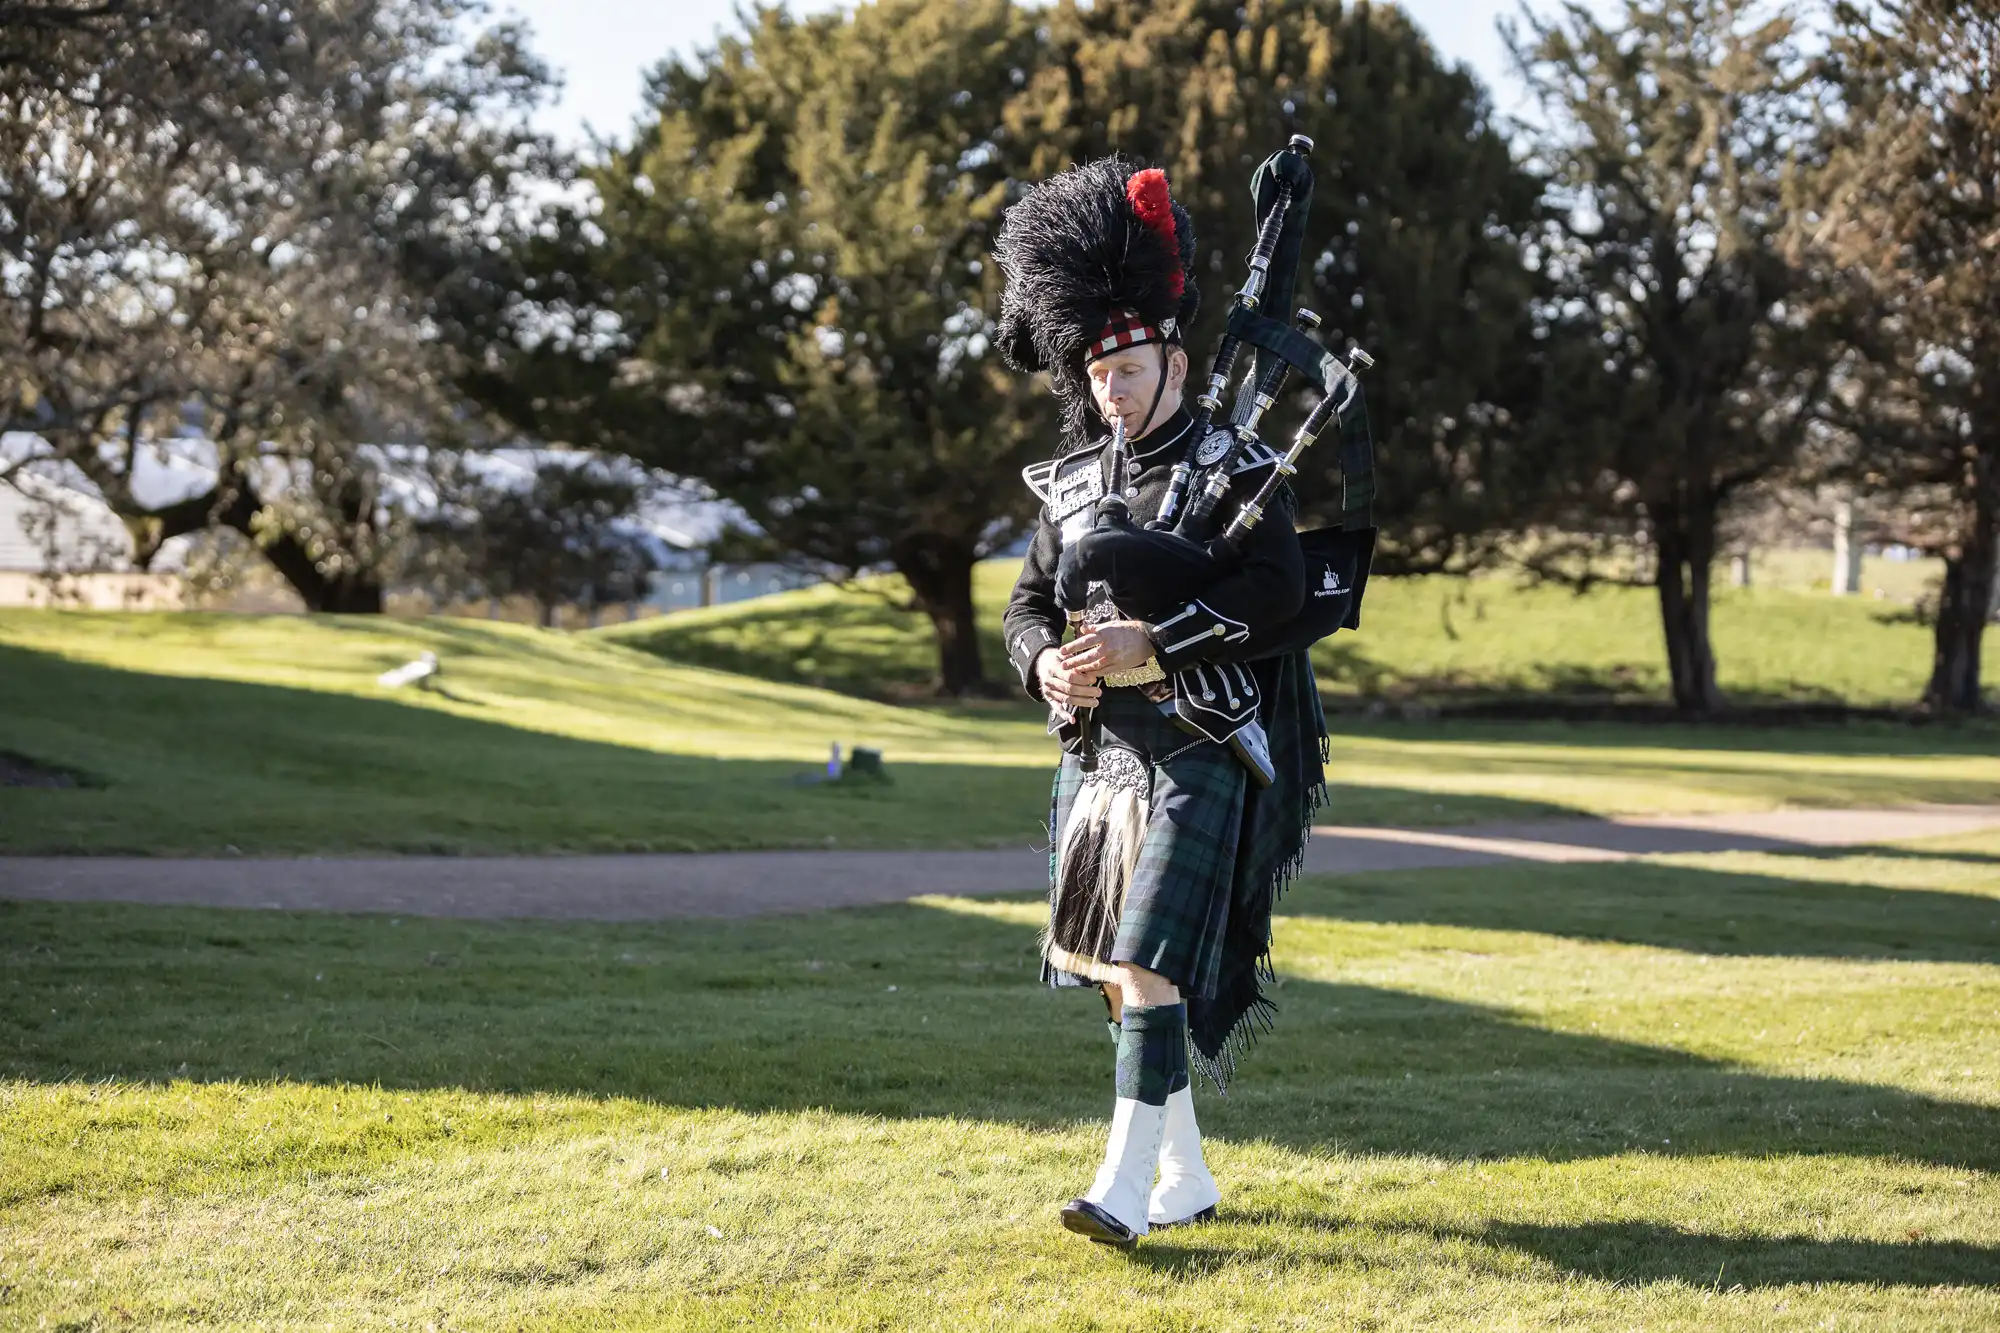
908	1011
1674	907
1732	763
1705	747
1890	852
1649	1252
1670	837
1637	1252
1829	786
1367	1069
867	645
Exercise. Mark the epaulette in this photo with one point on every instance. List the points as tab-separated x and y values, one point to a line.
1039	476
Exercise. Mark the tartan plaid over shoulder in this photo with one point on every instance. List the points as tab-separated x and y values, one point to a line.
1270	846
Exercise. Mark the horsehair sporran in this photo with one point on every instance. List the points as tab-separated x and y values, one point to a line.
1097	853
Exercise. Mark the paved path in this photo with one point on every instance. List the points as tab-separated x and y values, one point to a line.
735	884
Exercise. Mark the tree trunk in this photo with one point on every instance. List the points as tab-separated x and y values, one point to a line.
1963	608
345	594
939	572
150	529
352	595
1686	545
1847	551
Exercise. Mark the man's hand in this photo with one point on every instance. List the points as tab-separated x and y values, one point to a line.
1116	645
1063	685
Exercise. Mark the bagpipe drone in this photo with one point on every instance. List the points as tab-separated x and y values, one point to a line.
1147	571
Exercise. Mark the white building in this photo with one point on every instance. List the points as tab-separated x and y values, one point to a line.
63	547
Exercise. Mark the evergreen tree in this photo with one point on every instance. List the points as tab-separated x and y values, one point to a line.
1681	376
1417	231
1911	207
786	292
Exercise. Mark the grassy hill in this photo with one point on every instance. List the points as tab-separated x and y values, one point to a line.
203	734
1429	639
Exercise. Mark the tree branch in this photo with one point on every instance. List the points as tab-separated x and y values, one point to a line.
60	17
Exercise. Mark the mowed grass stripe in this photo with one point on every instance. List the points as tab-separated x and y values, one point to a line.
197	734
1744	1091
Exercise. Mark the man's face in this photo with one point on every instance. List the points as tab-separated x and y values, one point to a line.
1124	382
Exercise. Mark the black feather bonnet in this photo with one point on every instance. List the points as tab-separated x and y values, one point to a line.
1079	251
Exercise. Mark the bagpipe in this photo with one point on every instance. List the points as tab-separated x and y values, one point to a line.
1147	571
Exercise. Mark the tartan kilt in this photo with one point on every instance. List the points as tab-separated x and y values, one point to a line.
1176	909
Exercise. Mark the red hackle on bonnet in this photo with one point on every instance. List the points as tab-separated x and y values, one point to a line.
1147	192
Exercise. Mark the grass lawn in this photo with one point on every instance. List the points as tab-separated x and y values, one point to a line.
197	734
1735	1092
1422	638
1805	569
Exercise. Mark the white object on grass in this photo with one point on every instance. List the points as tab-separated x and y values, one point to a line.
420	672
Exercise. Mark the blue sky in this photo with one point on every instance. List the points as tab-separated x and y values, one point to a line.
602	47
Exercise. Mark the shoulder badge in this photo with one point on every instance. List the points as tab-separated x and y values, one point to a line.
1077	488
1213	447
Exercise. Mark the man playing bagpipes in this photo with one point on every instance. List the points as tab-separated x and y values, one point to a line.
1193	739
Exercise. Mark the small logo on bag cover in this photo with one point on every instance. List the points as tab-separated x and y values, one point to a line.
1330	586
1212	449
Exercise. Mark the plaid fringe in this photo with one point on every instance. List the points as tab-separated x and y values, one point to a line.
1261	1016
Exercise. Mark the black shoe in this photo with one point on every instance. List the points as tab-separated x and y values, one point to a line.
1205	1215
1087	1219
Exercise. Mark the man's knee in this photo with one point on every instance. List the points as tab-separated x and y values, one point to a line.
1141	987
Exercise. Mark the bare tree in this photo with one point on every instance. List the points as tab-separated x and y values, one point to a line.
568	533
223	229
1911	208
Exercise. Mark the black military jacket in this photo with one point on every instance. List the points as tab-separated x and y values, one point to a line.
1266	589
